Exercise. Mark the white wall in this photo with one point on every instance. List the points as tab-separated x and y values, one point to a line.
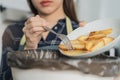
16	4
110	8
90	10
15	9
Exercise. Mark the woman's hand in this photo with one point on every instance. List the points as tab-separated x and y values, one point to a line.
33	30
82	23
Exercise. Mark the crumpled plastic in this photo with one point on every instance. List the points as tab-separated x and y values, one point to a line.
52	60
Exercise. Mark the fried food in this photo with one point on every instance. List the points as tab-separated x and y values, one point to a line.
90	44
77	45
74	42
106	31
74	52
107	40
82	38
87	43
99	44
98	36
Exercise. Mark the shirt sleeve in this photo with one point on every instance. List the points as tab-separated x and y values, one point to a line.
10	42
11	37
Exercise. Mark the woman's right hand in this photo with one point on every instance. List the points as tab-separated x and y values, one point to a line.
33	30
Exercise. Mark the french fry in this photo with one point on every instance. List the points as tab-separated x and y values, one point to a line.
107	40
106	31
62	46
98	45
75	46
98	36
74	42
90	44
78	46
75	52
82	38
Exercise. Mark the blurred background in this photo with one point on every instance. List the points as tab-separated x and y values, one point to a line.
90	10
87	10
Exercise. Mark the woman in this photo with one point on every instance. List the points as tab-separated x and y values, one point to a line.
47	13
50	13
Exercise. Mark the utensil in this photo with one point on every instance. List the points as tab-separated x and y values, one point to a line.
63	37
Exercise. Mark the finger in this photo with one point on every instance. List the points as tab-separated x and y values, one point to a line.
33	35
31	19
33	30
24	28
35	24
37	18
43	21
37	34
36	29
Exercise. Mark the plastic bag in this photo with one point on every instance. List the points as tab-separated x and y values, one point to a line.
53	60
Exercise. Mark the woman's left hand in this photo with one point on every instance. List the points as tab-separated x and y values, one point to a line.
82	23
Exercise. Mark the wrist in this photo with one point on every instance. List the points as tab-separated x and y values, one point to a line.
30	45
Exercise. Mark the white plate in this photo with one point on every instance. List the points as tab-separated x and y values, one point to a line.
97	25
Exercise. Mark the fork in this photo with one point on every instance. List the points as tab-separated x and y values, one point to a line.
63	37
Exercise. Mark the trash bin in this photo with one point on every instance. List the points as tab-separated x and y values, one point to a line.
51	65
